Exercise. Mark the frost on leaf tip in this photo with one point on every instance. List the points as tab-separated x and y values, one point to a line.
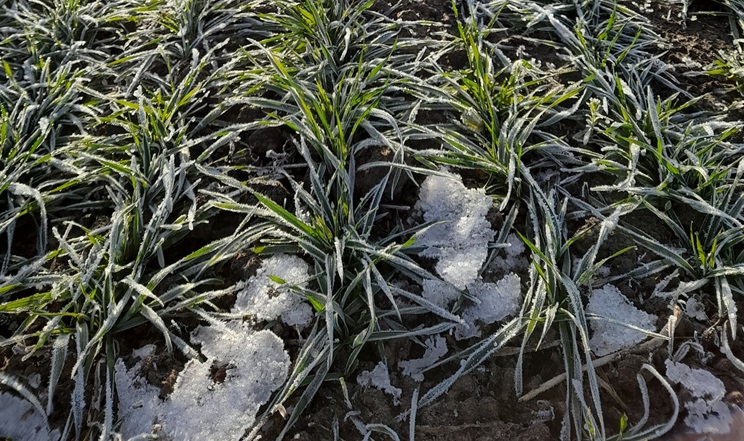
610	337
268	300
460	243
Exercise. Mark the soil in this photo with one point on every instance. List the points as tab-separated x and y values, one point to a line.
693	44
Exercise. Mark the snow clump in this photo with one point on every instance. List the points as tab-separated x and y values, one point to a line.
268	300
695	309
706	413
610	337
204	405
513	257
379	377
496	301
436	347
139	405
460	243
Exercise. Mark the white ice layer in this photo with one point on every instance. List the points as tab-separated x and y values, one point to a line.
610	337
267	300
200	407
460	244
706	413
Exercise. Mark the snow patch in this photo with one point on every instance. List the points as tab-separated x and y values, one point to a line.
706	413
379	378
267	300
203	406
610	337
34	380
516	246
436	347
603	271
460	243
496	301
139	405
19	421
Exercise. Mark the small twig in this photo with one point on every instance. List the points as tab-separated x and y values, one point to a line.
613	393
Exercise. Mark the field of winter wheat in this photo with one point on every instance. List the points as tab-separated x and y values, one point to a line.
371	220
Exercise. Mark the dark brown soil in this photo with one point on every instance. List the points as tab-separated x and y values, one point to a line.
692	45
